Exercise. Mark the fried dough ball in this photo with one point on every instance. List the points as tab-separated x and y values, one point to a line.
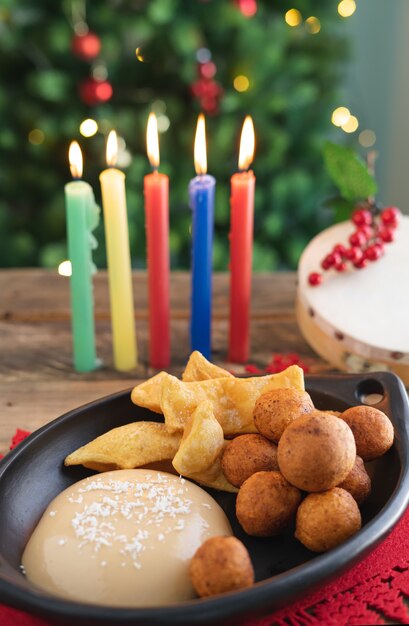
357	483
316	452
373	430
266	504
221	564
277	408
324	520
247	454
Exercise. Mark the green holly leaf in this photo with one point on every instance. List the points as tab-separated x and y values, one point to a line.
342	208
348	172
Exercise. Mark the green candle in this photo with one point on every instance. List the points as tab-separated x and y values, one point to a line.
82	218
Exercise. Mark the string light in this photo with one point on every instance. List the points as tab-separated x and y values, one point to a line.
65	269
36	136
241	83
313	25
346	8
340	116
293	17
351	125
88	128
367	138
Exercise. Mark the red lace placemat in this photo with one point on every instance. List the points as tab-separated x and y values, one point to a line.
373	592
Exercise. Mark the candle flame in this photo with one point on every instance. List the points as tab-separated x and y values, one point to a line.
75	159
112	149
152	140
200	146
246	154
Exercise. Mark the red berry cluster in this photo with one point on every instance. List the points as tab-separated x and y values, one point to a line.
18	437
374	229
278	363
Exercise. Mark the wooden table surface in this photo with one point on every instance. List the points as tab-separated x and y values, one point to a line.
37	381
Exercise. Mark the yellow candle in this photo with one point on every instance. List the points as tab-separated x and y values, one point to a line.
119	261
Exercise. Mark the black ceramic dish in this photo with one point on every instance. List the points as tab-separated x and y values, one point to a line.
33	474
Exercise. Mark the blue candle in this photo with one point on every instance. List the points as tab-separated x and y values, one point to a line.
201	196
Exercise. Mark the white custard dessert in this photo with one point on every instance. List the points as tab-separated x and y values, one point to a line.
123	538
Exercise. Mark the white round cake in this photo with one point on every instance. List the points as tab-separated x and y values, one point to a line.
358	320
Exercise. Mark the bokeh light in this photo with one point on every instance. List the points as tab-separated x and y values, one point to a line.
65	269
99	71
351	125
340	116
81	28
103	91
203	55
293	17
158	107
163	123
139	54
248	7
36	136
88	127
367	138
346	8
313	25
208	70
241	83
124	159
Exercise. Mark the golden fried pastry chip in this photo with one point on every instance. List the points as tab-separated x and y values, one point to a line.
148	394
199	368
232	399
213	477
126	447
202	441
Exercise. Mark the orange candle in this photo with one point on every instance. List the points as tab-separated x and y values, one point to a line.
241	247
156	189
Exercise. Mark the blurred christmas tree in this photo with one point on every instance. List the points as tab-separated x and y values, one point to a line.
112	64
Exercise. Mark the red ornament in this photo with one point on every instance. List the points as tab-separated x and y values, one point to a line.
207	70
208	92
206	89
247	7
209	105
94	91
86	47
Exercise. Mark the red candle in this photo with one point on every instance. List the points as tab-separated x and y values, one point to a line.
156	189
241	247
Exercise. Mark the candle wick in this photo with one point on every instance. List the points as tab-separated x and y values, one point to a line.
155	169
